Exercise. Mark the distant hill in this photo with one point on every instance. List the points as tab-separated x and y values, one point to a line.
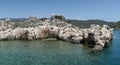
87	23
118	25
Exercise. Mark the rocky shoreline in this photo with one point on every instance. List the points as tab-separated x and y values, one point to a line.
97	37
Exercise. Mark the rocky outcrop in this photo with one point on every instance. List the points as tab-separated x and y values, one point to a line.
96	37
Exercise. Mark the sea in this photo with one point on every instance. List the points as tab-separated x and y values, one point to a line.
54	52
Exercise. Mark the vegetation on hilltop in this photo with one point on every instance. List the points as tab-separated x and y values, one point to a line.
87	23
118	24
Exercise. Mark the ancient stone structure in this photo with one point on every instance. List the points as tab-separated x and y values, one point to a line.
32	18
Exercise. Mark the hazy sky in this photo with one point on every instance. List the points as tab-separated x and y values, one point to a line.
72	9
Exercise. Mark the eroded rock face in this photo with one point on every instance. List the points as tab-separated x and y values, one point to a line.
36	33
20	33
96	37
102	37
53	31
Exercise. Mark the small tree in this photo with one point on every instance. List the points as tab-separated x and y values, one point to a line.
59	17
43	19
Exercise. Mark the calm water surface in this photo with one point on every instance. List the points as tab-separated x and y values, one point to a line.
52	52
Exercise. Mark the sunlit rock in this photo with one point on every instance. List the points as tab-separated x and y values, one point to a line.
96	37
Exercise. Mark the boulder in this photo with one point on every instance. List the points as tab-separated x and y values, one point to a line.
20	33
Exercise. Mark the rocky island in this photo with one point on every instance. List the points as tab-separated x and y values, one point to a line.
96	37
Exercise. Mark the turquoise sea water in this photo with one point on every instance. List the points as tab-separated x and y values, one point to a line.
53	52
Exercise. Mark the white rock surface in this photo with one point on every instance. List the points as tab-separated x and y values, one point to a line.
95	35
